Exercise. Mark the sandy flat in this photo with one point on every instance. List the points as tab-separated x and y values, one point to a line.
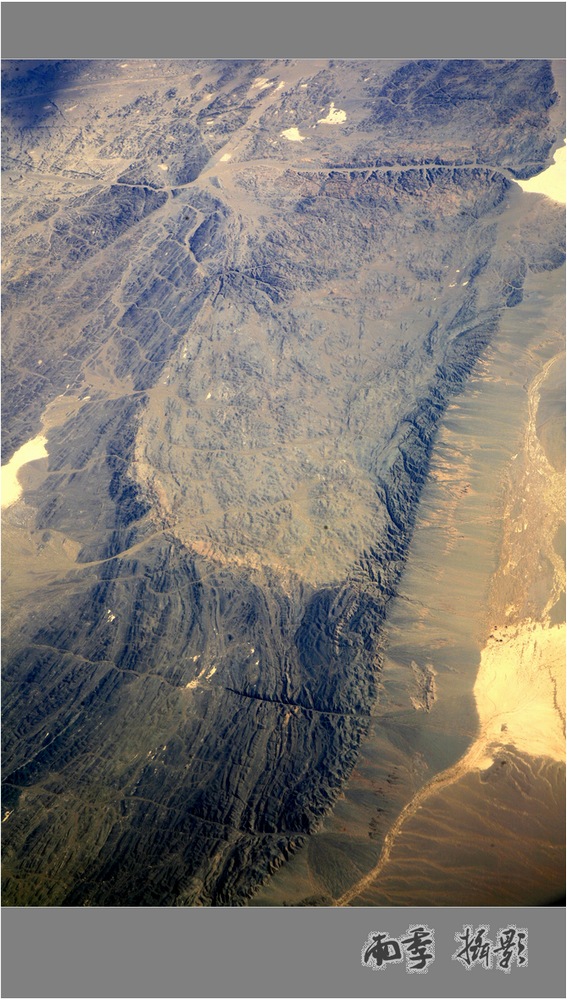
335	116
520	682
293	135
550	182
29	452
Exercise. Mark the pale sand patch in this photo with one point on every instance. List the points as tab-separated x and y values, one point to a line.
31	451
261	82
520	690
550	182
163	166
196	682
521	686
335	116
226	157
293	135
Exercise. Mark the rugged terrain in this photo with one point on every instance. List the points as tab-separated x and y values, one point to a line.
238	298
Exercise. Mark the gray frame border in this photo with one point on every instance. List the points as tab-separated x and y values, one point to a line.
283	30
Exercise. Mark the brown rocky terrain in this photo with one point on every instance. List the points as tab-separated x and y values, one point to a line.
238	297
